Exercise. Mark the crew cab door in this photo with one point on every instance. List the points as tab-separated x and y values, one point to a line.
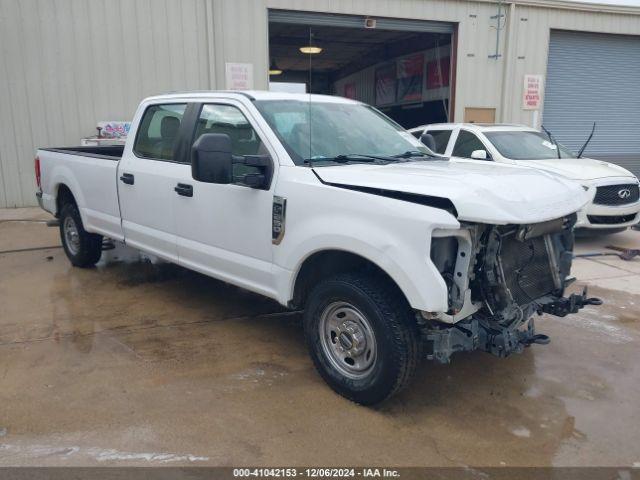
146	179
225	231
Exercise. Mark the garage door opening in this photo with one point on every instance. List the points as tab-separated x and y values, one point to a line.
402	67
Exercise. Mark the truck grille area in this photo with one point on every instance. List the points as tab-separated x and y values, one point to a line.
527	268
521	268
617	194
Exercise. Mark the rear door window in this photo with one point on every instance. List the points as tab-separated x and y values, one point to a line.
158	131
466	143
442	139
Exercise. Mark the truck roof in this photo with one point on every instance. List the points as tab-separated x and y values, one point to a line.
252	95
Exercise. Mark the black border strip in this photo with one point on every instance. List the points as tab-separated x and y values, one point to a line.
427	200
78	151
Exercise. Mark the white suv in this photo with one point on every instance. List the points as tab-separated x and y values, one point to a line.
613	191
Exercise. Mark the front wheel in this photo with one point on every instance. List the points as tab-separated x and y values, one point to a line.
362	337
83	249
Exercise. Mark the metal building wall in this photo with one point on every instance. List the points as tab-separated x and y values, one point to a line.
529	46
67	64
480	80
246	37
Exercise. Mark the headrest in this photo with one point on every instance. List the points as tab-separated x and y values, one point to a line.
429	141
169	127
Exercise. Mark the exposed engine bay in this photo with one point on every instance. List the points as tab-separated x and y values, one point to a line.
497	277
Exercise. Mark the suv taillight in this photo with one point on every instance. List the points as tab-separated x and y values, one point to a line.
36	164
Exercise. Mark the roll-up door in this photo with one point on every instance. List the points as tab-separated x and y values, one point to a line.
595	77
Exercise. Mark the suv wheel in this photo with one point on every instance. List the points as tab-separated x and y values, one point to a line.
83	249
362	337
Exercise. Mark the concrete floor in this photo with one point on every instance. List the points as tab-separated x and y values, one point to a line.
133	365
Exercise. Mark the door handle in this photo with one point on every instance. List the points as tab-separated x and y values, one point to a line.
127	178
184	190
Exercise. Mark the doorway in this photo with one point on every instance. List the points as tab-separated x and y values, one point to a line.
402	67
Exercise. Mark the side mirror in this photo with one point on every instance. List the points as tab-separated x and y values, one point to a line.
428	140
479	154
211	159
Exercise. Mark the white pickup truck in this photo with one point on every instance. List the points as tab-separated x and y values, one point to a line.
614	194
325	204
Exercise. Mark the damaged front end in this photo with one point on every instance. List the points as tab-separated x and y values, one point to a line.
497	278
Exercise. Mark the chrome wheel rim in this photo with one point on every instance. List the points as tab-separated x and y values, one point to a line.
347	339
71	235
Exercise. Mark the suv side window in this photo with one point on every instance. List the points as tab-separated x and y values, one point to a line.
417	133
466	143
442	139
158	131
216	118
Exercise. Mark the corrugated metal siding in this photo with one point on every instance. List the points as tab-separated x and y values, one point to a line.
479	79
67	64
594	77
533	25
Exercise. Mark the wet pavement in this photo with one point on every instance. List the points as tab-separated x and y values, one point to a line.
136	364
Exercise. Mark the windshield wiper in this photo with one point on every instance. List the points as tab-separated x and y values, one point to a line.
553	140
365	157
351	157
587	142
414	153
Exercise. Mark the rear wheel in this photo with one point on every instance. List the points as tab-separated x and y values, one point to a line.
83	249
362	337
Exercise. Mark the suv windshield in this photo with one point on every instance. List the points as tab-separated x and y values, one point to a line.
337	130
526	146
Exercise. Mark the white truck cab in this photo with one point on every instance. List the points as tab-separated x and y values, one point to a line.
614	195
325	204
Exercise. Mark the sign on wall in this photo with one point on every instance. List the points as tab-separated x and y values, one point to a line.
410	71
438	74
239	76
350	90
385	76
532	93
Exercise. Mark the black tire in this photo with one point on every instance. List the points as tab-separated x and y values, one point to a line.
88	248
392	322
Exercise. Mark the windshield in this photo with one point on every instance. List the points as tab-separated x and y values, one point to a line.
527	146
336	129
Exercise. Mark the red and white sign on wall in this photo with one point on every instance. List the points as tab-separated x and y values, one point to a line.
532	93
239	76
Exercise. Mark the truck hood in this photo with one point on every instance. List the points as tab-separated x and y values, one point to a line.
483	193
578	168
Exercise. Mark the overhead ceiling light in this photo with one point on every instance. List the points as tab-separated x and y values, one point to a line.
312	48
273	68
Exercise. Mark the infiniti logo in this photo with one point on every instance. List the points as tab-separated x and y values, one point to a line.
624	193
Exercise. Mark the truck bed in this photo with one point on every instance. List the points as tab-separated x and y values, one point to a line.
106	152
90	173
